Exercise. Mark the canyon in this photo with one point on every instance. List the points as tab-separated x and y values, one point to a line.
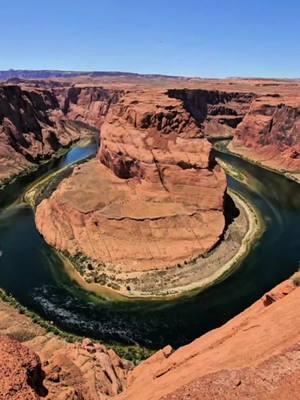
32	129
155	173
153	201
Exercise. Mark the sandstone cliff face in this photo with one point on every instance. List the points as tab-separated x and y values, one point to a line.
254	356
32	128
217	113
154	200
88	104
270	133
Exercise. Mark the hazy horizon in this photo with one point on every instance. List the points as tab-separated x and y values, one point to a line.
78	71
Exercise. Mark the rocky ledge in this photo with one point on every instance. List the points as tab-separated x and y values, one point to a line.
255	356
225	364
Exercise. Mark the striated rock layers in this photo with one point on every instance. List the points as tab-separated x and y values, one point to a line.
153	198
32	128
270	133
254	356
217	113
87	104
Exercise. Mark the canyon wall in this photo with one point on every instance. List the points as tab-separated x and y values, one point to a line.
217	113
270	133
87	104
263	118
32	128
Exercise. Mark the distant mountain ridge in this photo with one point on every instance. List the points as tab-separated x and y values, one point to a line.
45	74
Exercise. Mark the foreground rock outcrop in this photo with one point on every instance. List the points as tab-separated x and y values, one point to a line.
46	366
254	356
20	372
84	371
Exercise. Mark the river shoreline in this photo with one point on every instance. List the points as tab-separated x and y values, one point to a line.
295	177
111	315
188	280
35	190
34	168
254	230
225	146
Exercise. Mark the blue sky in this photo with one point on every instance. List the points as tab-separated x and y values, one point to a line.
207	38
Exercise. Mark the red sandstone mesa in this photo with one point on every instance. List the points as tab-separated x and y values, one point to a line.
156	179
153	200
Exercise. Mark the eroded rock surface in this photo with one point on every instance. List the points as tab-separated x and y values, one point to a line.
254	356
46	366
20	372
152	200
86	371
270	133
32	128
217	112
